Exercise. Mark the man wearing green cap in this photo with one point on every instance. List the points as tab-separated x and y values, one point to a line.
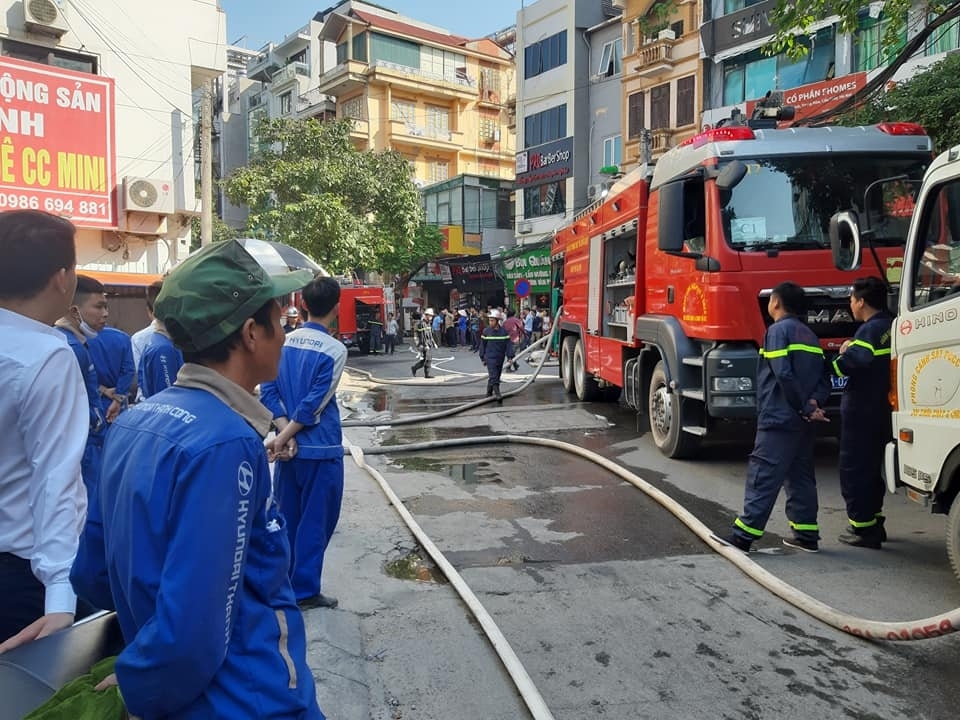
188	544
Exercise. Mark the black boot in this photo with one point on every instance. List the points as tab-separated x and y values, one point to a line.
413	370
883	531
497	395
868	537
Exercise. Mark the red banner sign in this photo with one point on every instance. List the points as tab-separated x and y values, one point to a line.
57	143
818	97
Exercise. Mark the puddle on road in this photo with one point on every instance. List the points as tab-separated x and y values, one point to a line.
471	473
413	567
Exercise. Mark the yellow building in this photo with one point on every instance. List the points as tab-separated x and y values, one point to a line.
437	98
662	74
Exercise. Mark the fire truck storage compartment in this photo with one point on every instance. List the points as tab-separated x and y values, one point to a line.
620	282
364	312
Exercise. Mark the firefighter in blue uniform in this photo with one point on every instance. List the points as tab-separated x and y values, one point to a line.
865	421
495	348
791	389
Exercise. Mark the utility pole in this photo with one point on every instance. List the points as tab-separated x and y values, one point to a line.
206	164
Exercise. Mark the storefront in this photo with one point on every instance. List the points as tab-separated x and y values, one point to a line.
526	275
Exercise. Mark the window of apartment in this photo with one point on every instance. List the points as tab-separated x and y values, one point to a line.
490	84
438	120
442	63
545	55
490	128
686	101
402	110
353	108
360	47
868	53
611	59
629	38
545	126
394	50
751	75
549	199
660	106
49	56
488	169
945	38
286	103
635	114
438	171
341	53
613	151
731	6
300	57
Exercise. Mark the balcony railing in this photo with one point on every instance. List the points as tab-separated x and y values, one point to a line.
656	56
431	133
290	72
452	78
660	140
312	98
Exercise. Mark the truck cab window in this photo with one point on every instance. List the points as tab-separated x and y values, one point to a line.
936	271
694	220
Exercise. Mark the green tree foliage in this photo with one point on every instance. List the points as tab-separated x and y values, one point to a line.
792	21
312	189
931	98
221	231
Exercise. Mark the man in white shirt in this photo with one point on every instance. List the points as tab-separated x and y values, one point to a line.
44	414
141	338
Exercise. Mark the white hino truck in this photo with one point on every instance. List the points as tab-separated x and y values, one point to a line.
924	456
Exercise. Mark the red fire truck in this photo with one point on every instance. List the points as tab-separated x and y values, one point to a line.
664	284
359	306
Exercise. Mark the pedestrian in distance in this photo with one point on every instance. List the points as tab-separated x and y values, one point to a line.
376	332
514	327
141	338
293	320
423	336
189	535
45	416
304	405
89	302
865	413
495	348
791	390
393	332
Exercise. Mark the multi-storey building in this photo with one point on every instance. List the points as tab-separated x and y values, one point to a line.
605	159
662	81
98	120
737	72
554	162
411	87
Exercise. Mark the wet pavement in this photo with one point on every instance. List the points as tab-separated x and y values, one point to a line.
614	607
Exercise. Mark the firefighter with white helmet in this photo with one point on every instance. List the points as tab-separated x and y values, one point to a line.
423	337
495	348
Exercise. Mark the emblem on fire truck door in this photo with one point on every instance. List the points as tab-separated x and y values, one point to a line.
694	304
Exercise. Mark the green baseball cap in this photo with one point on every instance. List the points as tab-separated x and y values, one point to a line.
211	294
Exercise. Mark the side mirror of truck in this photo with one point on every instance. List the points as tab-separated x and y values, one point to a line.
670	214
731	175
845	240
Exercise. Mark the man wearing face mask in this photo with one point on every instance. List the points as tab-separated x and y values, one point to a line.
77	330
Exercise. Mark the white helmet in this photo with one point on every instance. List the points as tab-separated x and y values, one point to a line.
428	311
496	314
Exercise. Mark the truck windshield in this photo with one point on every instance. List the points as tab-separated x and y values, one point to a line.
785	203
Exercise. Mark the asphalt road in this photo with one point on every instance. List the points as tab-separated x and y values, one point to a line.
615	609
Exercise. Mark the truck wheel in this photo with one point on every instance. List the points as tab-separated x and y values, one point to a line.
953	536
587	388
566	363
663	409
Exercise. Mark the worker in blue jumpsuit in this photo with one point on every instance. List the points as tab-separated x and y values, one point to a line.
495	348
79	334
865	413
303	402
159	364
791	390
188	544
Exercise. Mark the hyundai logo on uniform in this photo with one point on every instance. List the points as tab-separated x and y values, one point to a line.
245	478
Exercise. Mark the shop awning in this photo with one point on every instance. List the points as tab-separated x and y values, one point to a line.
121	278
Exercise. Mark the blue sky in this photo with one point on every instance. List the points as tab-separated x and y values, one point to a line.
263	21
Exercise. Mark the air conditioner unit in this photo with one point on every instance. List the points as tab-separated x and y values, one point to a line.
45	17
524	227
598	190
148	195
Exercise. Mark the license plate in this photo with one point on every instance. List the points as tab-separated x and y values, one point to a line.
838	383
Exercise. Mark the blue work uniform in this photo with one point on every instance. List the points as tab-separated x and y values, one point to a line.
159	365
495	348
193	556
90	464
112	354
865	419
310	486
790	373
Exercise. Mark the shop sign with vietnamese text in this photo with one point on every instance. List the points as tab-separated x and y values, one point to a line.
57	144
532	266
